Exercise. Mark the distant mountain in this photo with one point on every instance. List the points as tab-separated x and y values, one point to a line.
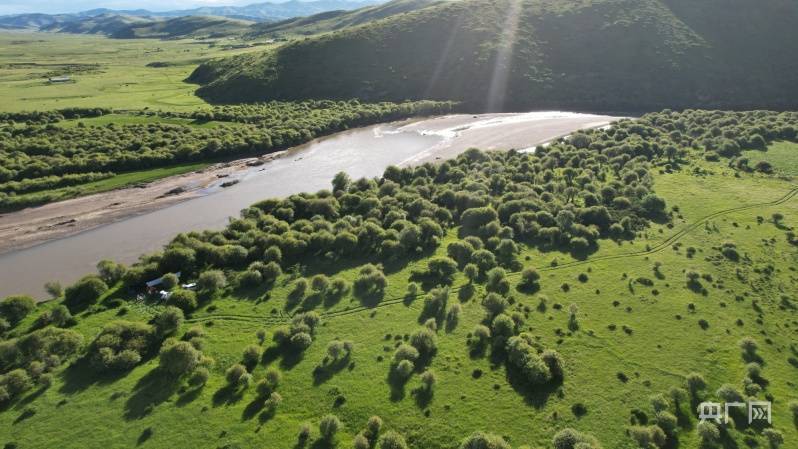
336	20
260	12
522	54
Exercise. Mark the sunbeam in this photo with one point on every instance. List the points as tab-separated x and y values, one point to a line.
497	92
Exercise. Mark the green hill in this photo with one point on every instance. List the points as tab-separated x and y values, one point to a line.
508	54
188	26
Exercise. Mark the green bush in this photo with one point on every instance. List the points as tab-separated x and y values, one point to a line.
16	308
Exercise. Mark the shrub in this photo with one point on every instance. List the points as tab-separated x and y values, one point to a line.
667	422
774	437
185	300
404	369
250	279
211	281
251	355
481	333
320	283
85	292
361	442
707	432
54	289
471	271
120	345
481	440
497	281
748	345
328	427
178	358
494	305
405	352
695	382
199	377
529	279
392	440
169	281
424	341
111	272
168	321
370	281
16	308
573	439
301	340
300	289
235	374
428	380
373	427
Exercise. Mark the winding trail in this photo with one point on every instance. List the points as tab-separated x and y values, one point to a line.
285	318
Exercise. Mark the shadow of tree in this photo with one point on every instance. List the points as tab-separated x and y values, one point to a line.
146	434
534	395
80	375
323	373
423	396
229	394
151	390
397	384
188	396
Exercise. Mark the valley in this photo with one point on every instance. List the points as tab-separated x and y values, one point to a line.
404	224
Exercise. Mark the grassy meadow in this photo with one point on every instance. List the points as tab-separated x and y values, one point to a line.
109	73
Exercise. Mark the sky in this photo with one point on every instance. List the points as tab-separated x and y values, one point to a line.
62	6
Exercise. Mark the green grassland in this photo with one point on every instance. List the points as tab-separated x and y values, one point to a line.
110	73
656	356
782	156
641	330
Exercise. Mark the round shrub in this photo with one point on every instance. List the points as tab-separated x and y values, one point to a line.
15	308
392	440
211	281
185	300
404	369
328	427
179	358
481	440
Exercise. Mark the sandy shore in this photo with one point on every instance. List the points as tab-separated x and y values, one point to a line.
28	227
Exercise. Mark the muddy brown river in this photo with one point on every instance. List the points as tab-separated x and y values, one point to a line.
311	167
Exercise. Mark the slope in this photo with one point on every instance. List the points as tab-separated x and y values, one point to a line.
335	20
517	54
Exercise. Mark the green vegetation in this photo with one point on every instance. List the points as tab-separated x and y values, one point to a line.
106	73
49	156
451	300
595	54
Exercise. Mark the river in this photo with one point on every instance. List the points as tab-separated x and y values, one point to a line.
310	167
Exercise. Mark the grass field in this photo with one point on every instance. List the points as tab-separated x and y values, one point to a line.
649	335
109	73
783	156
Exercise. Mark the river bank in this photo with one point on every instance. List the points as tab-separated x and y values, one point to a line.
64	241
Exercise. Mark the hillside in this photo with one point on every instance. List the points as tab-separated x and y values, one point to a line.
503	54
587	295
106	24
180	27
335	20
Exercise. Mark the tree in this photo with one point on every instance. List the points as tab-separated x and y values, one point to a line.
494	305
341	182
529	279
471	272
328	427
178	358
16	308
169	281
428	380
251	355
424	341
497	281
